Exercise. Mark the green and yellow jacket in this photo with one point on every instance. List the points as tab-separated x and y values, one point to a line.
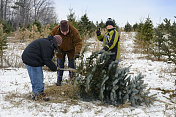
111	41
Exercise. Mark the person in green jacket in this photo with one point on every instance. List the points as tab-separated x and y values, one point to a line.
110	40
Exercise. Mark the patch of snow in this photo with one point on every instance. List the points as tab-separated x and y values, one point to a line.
157	74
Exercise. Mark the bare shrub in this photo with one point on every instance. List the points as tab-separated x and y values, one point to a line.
21	34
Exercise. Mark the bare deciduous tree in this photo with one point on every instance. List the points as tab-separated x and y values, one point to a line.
24	12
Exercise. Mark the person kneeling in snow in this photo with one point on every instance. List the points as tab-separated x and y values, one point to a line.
37	54
110	41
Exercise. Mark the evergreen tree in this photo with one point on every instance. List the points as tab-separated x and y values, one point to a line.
165	40
139	35
93	28
148	30
128	27
116	26
145	34
85	26
172	43
158	40
72	18
145	31
112	85
53	25
168	46
7	27
101	25
135	26
38	24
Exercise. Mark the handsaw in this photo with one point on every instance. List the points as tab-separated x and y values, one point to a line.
67	69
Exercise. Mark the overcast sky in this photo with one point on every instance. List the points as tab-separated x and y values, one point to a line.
120	10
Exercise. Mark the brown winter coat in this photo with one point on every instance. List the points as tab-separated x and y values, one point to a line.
71	43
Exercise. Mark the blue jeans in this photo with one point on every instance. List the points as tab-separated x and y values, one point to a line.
60	63
36	77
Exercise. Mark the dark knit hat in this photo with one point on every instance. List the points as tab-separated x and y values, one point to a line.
58	39
110	22
64	26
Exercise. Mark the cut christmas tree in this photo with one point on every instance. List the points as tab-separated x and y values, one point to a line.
112	85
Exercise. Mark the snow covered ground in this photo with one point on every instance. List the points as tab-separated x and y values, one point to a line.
158	75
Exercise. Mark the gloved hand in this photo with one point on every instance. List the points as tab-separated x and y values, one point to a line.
98	32
101	51
58	68
76	55
58	52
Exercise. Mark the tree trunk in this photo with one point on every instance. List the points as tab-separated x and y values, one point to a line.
5	10
1	13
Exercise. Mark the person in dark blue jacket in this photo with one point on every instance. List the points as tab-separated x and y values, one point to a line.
37	54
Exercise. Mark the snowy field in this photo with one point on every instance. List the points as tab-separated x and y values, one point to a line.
157	74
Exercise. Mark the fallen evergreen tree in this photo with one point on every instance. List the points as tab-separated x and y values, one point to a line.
112	85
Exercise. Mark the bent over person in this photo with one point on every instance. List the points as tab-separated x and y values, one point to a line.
110	41
71	46
37	54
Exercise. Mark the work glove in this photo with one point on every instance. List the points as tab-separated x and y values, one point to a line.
58	52
98	32
101	51
76	55
58	68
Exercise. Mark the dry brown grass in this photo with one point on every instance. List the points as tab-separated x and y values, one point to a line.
139	47
122	47
57	94
96	46
15	99
63	92
122	40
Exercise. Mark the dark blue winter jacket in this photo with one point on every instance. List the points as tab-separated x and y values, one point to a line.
40	52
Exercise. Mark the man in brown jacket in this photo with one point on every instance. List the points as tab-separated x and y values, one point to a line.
71	46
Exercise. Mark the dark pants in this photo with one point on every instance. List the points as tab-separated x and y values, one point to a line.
60	63
112	58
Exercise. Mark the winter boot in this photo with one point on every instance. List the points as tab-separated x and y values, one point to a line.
72	78
59	83
40	96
